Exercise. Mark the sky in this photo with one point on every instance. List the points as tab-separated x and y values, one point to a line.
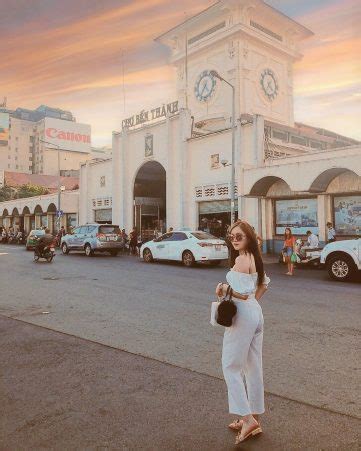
71	54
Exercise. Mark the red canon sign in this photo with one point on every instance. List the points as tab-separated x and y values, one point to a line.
67	136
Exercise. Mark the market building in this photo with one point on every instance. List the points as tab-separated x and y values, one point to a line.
40	211
171	166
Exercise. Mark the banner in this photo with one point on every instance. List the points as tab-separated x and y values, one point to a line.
299	215
347	215
4	129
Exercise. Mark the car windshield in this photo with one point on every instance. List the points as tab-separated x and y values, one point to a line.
37	232
204	236
109	229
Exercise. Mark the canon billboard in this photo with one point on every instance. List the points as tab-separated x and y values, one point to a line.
67	135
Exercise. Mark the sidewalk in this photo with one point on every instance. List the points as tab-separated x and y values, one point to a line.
63	393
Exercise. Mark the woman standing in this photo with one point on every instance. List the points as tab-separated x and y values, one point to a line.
288	249
242	342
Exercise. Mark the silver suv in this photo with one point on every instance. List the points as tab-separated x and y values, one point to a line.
92	238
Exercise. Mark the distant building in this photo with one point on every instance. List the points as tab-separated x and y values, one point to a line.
30	139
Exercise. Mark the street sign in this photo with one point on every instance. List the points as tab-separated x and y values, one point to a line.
59	213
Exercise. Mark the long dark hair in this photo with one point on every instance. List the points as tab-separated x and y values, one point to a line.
252	248
290	235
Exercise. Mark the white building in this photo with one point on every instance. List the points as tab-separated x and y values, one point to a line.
166	167
30	139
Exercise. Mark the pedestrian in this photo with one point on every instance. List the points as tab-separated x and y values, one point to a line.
133	241
124	237
331	233
242	341
288	250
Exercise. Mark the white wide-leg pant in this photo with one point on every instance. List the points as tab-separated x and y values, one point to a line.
242	359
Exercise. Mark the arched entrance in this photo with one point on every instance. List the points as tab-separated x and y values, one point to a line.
150	199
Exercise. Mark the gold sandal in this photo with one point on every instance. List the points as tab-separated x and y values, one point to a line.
252	433
236	425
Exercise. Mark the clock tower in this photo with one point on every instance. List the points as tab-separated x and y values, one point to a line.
250	45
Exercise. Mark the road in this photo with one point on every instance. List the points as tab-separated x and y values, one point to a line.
161	311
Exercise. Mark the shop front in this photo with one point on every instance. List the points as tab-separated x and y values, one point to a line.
215	217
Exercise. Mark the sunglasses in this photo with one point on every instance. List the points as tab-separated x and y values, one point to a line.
236	237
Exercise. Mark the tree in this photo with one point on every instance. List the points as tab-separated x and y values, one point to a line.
29	190
6	193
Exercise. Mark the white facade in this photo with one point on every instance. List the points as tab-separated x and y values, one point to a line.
242	42
34	212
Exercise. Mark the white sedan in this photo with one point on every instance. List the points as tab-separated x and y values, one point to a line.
187	247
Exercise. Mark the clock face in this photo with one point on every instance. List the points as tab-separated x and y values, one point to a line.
205	86
269	84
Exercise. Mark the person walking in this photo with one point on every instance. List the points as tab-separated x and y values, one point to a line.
288	250
133	241
242	342
331	233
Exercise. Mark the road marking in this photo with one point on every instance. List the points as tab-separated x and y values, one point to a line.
4	253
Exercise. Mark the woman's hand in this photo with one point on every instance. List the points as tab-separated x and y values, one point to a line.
219	289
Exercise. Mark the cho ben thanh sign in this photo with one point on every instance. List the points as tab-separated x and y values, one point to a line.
150	115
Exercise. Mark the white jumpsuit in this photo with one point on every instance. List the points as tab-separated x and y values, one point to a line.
242	349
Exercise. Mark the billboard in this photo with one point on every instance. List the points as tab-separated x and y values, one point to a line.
298	214
4	129
68	135
347	215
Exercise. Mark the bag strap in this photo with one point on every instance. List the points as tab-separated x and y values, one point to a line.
229	293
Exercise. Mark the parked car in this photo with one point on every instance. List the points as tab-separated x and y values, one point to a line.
92	238
187	247
342	259
32	238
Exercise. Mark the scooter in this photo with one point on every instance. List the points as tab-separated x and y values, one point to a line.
48	253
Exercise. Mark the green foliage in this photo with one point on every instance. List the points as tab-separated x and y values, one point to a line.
29	190
6	193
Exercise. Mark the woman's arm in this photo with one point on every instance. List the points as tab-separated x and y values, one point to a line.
261	289
221	290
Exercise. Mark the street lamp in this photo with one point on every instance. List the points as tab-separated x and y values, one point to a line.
59	178
215	74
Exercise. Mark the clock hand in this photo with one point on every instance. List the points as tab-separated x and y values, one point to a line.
204	87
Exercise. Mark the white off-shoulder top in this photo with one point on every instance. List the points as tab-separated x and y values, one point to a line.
244	283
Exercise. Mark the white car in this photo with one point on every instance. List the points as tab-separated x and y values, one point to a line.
342	258
187	247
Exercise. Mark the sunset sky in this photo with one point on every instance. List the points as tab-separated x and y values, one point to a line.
67	54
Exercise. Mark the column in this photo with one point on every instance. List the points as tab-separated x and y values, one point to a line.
117	180
37	221
50	217
324	215
83	193
258	140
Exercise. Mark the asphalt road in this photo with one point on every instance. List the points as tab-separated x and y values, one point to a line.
161	311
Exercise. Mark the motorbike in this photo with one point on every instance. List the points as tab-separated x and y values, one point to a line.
309	256
48	253
305	256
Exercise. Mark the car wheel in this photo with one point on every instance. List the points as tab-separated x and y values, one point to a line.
88	250
188	259
147	255
215	262
340	267
64	249
113	253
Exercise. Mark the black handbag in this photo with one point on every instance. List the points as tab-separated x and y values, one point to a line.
226	309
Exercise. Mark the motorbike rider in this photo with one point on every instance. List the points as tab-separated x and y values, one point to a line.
44	241
312	243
